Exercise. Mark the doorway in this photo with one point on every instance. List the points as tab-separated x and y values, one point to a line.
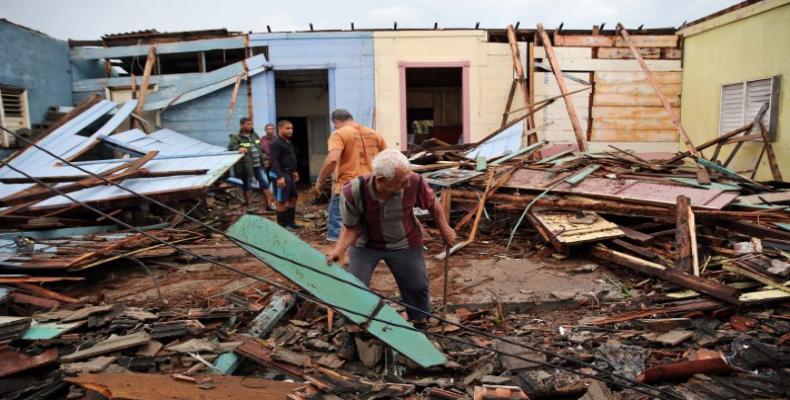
434	102
302	97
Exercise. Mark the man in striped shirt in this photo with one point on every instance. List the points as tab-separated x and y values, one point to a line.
378	220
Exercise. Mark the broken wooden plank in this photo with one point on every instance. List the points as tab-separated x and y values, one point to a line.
569	228
581	139
702	174
264	322
149	66
112	344
769	150
352	298
707	286
16	361
683	234
521	81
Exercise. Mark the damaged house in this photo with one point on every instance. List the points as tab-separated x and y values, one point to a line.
622	218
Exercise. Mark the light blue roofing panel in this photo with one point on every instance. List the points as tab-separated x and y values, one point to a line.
48	330
505	142
66	142
215	164
167	142
188	89
264	233
60	141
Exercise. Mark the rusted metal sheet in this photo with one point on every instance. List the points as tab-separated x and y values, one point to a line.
15	361
569	228
624	189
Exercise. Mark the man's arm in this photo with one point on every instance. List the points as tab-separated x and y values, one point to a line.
447	233
329	166
348	236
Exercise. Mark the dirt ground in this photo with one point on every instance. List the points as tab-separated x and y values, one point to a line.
476	276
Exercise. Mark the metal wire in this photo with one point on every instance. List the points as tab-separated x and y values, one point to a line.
631	384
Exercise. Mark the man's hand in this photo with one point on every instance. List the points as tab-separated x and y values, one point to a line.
281	182
319	187
448	235
332	256
242	150
296	176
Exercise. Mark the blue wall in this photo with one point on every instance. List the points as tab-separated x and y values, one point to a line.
38	63
205	118
347	55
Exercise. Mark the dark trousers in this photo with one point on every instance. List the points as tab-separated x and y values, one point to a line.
408	268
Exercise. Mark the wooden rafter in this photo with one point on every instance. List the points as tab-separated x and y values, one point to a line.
581	139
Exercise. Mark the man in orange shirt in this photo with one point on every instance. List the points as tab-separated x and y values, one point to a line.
351	149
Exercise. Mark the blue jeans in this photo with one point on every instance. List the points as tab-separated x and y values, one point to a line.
334	222
260	176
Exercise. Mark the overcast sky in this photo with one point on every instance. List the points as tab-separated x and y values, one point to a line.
90	19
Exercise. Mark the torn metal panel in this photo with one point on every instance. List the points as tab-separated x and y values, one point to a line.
60	141
188	89
15	361
570	228
167	142
450	176
508	141
121	115
624	189
266	234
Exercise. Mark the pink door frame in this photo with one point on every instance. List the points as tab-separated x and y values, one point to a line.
464	65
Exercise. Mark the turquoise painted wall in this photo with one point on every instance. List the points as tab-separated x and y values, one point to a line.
38	63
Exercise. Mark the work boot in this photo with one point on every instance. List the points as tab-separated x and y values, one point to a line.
291	224
421	324
282	218
348	350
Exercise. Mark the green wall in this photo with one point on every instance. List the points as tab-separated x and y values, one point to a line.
754	47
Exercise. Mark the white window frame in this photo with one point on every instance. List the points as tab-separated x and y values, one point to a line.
6	139
771	114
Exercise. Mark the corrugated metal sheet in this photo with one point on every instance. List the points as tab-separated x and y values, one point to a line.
505	142
167	142
61	141
624	189
177	153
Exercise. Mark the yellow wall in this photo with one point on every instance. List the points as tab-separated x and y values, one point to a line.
757	46
490	75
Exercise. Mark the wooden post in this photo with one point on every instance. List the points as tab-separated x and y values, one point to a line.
769	150
683	251
531	78
581	139
149	66
752	127
520	76
702	174
447	201
233	95
509	103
